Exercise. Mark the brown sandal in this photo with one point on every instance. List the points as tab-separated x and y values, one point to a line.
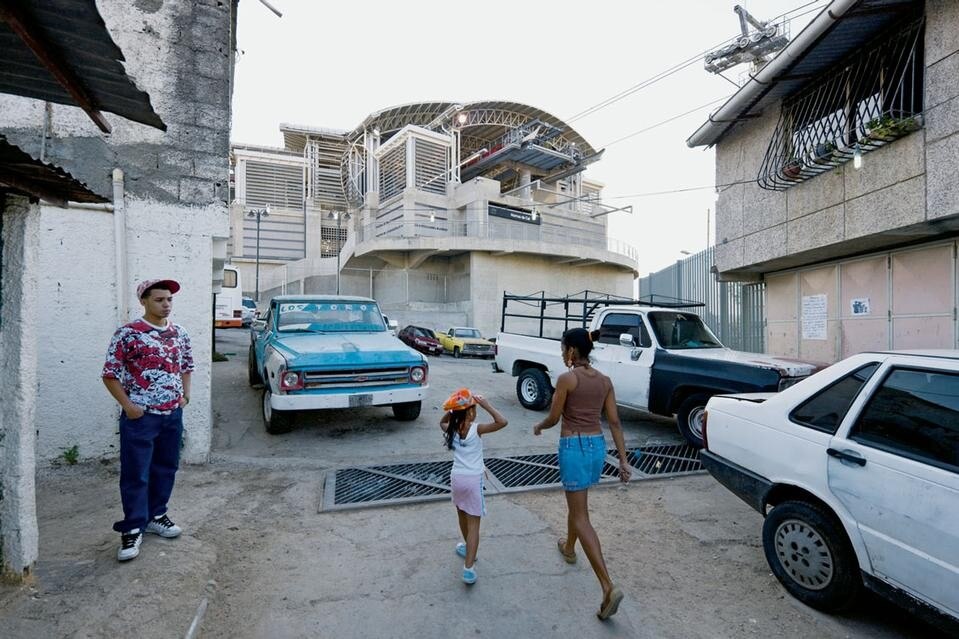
612	605
569	558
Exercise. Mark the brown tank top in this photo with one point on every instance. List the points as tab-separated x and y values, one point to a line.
584	404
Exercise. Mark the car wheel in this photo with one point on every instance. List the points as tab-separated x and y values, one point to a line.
456	351
252	373
690	417
533	389
407	411
277	421
809	553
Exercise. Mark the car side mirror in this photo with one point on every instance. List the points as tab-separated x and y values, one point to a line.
626	339
258	325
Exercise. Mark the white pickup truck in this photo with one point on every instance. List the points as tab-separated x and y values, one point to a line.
856	472
662	360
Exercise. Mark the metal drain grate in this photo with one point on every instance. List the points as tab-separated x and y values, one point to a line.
515	473
425	481
364	486
665	459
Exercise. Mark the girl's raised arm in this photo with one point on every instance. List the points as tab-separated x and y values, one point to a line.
498	420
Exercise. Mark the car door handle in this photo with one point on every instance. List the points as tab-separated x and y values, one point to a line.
846	456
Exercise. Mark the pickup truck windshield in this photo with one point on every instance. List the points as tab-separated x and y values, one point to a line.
328	317
467	332
682	330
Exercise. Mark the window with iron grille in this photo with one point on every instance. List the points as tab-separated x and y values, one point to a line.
866	101
332	240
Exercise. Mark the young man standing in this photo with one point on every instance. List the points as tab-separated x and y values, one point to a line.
147	371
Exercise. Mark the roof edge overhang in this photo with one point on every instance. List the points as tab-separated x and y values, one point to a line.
736	108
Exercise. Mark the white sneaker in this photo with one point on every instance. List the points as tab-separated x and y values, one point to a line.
129	545
164	527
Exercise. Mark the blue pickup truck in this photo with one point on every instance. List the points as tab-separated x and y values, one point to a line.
331	351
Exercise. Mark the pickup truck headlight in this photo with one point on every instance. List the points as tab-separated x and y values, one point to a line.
291	380
418	375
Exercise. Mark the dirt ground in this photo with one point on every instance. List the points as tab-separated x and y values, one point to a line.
258	559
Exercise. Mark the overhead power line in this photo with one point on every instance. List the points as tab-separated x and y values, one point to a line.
679	67
666	121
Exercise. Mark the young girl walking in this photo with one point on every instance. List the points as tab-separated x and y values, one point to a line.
463	437
582	394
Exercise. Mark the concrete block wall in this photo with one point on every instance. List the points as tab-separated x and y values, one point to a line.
902	189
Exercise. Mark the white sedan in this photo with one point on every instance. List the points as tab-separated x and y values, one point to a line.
856	470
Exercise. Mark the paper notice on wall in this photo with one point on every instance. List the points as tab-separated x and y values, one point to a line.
860	306
814	317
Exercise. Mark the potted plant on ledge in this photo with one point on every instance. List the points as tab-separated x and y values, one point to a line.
886	128
793	168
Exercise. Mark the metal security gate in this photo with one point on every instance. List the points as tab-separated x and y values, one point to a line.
733	310
349	488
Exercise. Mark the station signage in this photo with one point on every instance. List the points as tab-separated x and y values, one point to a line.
514	213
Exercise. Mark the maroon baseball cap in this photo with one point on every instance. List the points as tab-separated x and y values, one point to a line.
171	285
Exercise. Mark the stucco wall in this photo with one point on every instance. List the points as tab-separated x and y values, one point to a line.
19	336
175	191
78	315
905	190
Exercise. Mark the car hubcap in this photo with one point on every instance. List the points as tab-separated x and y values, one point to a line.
696	421
267	408
529	390
804	554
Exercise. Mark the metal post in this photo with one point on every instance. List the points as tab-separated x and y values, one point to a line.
257	294
339	248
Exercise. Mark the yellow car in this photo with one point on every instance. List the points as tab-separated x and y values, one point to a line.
463	340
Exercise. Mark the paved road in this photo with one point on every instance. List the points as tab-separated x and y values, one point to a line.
262	561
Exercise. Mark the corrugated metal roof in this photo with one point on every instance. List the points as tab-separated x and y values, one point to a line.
858	26
24	174
76	33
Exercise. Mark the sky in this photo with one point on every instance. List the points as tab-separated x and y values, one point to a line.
330	64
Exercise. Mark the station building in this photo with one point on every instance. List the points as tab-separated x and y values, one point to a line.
434	209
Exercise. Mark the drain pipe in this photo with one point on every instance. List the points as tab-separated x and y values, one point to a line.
120	245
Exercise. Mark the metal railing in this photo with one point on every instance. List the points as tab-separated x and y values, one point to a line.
553	234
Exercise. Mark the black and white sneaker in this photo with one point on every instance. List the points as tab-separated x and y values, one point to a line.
164	527
129	545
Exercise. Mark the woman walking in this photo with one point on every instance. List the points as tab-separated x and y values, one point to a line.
581	395
463	437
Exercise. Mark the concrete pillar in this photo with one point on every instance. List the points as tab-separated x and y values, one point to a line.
18	377
524	180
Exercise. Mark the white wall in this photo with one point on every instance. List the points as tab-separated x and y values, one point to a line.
78	315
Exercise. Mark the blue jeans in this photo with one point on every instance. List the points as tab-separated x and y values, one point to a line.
149	458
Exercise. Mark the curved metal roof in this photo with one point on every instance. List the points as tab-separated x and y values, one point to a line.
488	121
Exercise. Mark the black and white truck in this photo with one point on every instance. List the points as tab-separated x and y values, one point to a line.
661	357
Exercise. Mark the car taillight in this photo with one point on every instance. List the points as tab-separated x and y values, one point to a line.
495	349
237	313
705	420
291	380
418	375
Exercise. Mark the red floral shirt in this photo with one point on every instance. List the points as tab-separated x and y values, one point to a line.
149	362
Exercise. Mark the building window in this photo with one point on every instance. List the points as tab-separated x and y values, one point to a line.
869	99
332	240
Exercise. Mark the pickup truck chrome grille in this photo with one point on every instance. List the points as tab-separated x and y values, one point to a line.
356	378
477	348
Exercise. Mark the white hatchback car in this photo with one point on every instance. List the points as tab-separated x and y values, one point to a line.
856	470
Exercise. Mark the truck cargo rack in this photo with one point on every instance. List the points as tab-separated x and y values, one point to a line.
578	308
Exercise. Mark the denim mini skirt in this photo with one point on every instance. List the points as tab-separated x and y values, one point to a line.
581	459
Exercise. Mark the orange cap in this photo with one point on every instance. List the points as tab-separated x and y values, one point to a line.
460	400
